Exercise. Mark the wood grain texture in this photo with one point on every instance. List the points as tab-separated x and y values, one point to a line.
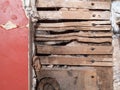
76	4
71	78
74	24
85	28
79	15
72	60
78	34
76	49
76	38
80	78
105	78
84	60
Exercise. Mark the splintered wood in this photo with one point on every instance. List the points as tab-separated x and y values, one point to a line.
74	33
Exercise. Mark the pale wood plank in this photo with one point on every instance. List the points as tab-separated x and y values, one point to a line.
81	14
75	4
74	24
76	38
70	60
74	78
89	28
76	49
79	34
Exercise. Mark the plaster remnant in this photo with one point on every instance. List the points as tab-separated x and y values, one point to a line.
27	25
31	10
116	62
9	25
115	16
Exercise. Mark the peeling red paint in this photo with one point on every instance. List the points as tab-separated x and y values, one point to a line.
13	47
11	10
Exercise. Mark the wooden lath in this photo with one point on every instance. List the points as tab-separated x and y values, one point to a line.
91	20
76	38
79	15
58	24
73	60
104	5
77	34
76	49
89	28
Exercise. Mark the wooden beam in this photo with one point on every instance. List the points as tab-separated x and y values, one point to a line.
89	28
76	38
70	60
74	24
78	34
75	4
76	49
79	15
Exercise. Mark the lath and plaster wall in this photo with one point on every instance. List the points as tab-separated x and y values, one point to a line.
14	47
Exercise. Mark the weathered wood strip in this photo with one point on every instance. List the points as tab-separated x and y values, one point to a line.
79	15
75	4
69	60
76	38
78	34
75	24
92	28
76	49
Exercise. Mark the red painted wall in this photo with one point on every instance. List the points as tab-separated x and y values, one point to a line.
13	47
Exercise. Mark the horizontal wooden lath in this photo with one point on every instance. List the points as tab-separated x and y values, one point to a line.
74	24
76	38
89	28
76	49
79	15
105	5
78	34
70	60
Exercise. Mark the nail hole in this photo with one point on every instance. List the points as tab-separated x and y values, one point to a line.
92	61
92	4
93	15
92	76
93	24
99	16
92	48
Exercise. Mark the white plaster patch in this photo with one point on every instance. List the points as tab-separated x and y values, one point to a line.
115	18
34	81
27	25
9	25
26	3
